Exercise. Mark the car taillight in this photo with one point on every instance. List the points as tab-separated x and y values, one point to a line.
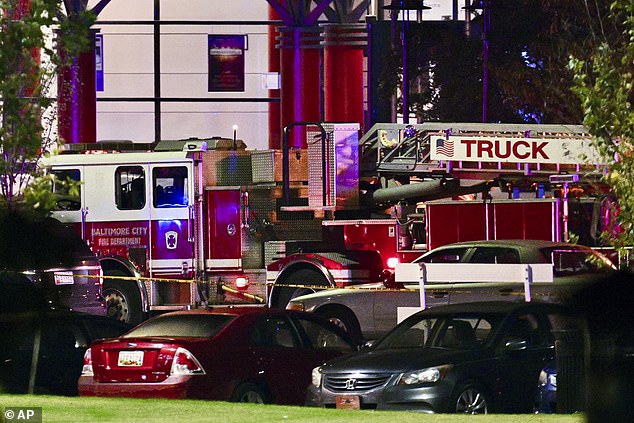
86	370
185	364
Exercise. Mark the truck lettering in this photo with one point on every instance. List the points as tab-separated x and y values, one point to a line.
119	231
504	149
507	150
540	149
142	231
119	236
485	147
468	144
125	241
516	150
110	231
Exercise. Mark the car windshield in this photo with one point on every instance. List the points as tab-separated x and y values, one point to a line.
182	325
460	332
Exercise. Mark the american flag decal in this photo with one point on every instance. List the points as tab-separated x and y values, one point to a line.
444	147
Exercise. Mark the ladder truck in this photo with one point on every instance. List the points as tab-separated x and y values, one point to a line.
195	222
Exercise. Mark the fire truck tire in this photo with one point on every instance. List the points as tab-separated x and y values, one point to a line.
343	318
306	277
123	300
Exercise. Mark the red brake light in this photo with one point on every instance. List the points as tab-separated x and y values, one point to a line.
87	368
185	364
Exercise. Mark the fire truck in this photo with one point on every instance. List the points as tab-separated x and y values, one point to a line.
188	223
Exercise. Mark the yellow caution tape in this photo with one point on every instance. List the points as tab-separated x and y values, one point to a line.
224	287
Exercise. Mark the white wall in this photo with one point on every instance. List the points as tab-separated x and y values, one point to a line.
128	57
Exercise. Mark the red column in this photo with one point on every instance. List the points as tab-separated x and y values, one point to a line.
300	79
77	98
343	72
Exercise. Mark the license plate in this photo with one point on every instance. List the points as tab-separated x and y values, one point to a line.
130	358
351	402
64	278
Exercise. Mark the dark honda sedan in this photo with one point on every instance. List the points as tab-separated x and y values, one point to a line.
243	354
479	357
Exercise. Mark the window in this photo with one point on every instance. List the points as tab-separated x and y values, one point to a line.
527	328
178	325
569	262
458	333
62	188
130	188
455	332
495	255
274	331
449	255
169	186
322	338
416	335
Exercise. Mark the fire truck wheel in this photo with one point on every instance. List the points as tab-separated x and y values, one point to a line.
308	277
123	301
344	318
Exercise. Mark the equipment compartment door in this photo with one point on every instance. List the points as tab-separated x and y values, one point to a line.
224	229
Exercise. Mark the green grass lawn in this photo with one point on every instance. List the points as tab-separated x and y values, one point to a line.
122	410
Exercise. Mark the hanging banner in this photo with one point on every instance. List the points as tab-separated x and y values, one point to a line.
99	62
226	62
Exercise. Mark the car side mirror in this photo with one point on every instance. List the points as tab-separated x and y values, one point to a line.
515	344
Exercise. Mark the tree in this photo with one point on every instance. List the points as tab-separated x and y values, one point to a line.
530	42
604	84
29	33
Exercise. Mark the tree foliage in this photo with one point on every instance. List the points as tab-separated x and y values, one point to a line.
29	34
530	42
603	82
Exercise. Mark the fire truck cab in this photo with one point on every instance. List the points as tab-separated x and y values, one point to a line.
135	210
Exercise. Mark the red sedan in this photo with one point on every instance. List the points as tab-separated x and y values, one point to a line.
245	354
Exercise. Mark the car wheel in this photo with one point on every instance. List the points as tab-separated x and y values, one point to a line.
344	319
282	294
471	398
123	301
252	393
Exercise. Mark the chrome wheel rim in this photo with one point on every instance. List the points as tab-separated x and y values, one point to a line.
471	401
116	306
